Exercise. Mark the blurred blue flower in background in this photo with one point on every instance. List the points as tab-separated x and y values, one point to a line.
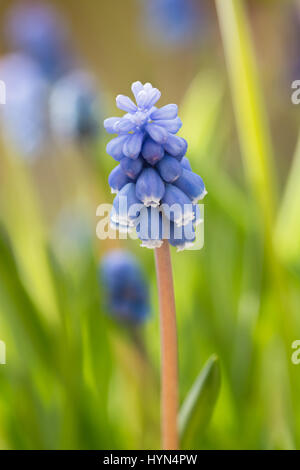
44	90
153	171
125	287
38	30
75	107
172	22
24	117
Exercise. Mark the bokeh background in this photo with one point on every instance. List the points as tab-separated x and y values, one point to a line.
76	376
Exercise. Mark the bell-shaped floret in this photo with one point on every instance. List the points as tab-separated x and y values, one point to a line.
182	237
176	206
192	185
152	151
133	144
126	206
150	187
114	148
132	168
117	179
176	146
166	112
169	168
185	163
149	227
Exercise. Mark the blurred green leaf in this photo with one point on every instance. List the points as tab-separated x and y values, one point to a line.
22	219
198	406
229	197
16	304
200	112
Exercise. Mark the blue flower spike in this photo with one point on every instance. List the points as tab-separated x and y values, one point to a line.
154	177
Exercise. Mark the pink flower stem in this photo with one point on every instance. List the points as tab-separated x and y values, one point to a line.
169	354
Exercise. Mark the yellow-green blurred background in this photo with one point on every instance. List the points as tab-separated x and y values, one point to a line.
75	378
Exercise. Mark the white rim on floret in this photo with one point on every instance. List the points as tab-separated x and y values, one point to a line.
151	244
151	202
198	198
184	219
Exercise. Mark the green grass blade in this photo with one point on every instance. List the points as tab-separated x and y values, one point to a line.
198	406
287	232
250	114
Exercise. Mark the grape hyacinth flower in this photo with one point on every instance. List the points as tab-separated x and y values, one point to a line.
24	117
74	107
153	170
157	195
125	286
36	29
